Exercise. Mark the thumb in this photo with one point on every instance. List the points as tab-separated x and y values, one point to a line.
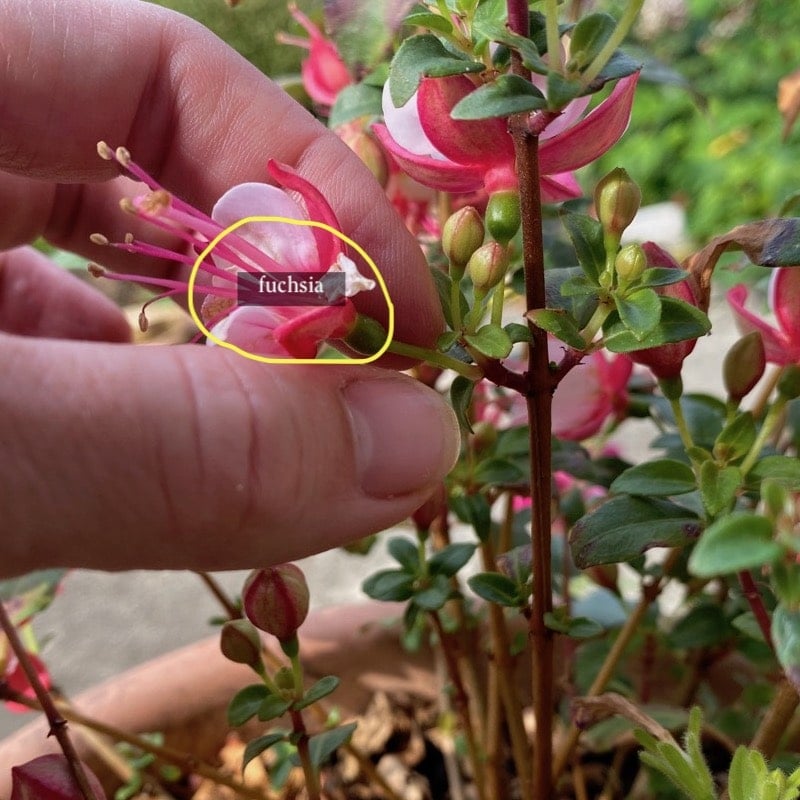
120	457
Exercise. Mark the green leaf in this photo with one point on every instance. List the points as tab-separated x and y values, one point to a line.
245	703
718	487
526	49
661	276
656	478
587	239
786	637
625	527
406	553
443	284
564	289
748	625
446	340
782	469
513	442
639	311
736	438
432	22
474	510
435	594
561	91
424	55
322	688
355	101
518	333
575	627
498	472
736	542
704	626
495	587
258	746
578	286
29	594
389	585
491	340
323	745
679	321
273	706
461	390
507	95
588	38
560	323
449	560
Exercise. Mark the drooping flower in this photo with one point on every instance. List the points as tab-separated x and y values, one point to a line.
324	73
781	342
469	155
15	678
268	248
50	777
666	360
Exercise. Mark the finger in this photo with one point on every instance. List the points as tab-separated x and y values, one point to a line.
193	113
38	298
183	457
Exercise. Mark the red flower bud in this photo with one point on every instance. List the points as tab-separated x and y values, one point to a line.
50	778
431	509
276	599
239	642
744	365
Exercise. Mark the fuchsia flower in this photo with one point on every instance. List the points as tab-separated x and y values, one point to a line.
465	156
324	73
781	343
16	679
271	248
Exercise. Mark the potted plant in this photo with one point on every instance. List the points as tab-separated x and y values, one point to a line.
559	331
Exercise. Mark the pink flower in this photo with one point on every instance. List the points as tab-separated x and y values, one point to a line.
324	73
589	394
16	679
467	155
781	343
666	360
268	248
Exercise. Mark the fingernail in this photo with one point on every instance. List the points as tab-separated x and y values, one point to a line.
406	437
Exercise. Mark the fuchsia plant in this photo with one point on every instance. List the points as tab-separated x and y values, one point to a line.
491	109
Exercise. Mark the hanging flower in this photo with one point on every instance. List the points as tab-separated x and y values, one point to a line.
270	248
468	155
781	342
324	73
14	677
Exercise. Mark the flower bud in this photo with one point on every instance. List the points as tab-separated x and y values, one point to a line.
284	679
503	216
789	382
630	263
617	199
49	777
368	150
276	599
431	509
462	235
367	335
744	365
488	266
239	642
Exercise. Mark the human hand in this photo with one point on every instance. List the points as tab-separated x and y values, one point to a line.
118	457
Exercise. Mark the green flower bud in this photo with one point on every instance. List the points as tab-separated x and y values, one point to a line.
617	199
284	679
630	263
369	151
239	642
488	266
743	365
276	600
367	335
789	382
503	216
462	235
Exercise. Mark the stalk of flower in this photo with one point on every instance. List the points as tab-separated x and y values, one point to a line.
265	248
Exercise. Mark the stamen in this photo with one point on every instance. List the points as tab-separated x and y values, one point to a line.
143	323
123	156
96	270
104	151
129	238
98	238
155	202
126	204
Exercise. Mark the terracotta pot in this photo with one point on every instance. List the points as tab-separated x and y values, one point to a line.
184	694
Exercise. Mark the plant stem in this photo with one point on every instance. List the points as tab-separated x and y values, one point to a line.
681	424
189	764
219	593
57	723
455	303
753	597
304	754
650	593
772	417
436	359
553	39
776	720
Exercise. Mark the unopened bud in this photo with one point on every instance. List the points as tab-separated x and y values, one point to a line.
744	365
284	679
50	776
462	235
630	263
789	382
488	266
276	600
369	151
617	199
431	509
239	642
503	216
367	335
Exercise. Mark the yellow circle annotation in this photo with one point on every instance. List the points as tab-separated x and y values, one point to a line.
267	359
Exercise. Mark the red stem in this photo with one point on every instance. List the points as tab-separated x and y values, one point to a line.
757	606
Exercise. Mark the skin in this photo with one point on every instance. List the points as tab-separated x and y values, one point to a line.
119	457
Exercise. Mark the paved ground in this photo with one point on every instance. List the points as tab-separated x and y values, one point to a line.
104	623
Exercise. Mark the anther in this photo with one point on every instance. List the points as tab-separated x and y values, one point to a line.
96	270
123	156
98	238
104	151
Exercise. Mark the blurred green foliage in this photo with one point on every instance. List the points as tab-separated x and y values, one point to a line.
250	28
717	147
